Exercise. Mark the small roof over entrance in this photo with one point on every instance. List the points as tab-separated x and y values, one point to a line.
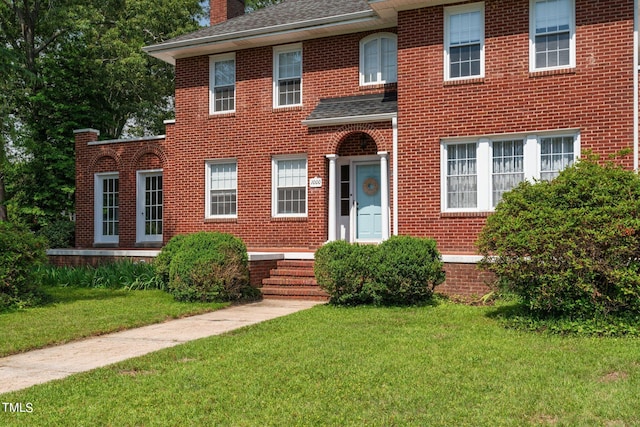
354	109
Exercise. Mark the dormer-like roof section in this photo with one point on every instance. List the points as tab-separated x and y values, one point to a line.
286	22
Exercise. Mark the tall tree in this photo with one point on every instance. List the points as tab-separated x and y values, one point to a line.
80	64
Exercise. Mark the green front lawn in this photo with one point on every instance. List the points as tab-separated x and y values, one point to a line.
449	365
81	312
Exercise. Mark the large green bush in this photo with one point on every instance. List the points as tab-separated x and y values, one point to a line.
346	272
570	246
402	270
409	269
208	267
20	253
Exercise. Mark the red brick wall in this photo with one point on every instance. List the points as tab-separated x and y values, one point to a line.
596	97
259	270
126	158
254	134
465	280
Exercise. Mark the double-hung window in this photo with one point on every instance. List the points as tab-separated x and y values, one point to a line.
287	79
476	174
222	189
464	41
289	178
462	178
107	208
552	34
222	82
507	167
379	59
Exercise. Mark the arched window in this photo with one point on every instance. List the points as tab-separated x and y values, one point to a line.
379	59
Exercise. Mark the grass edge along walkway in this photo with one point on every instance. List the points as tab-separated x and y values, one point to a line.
439	366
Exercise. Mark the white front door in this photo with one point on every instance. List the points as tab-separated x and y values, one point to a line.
150	207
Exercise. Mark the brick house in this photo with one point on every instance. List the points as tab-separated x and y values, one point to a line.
311	121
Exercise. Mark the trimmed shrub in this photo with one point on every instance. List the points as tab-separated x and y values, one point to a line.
346	273
402	270
570	246
163	261
20	253
409	268
209	267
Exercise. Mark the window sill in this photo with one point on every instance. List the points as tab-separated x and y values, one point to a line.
377	86
555	72
220	220
465	214
289	219
286	108
469	81
222	114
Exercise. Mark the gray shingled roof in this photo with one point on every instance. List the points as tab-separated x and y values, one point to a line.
352	106
285	13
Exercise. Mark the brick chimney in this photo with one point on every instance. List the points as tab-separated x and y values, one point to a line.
221	10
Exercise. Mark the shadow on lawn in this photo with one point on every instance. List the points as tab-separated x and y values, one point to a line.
57	295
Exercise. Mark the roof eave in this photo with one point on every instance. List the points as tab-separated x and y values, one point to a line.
304	30
336	121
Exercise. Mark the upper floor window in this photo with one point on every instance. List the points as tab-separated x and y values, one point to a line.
379	59
464	41
287	75
552	36
222	83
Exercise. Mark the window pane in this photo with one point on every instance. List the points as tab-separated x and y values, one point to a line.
465	28
223	189
508	167
291	184
556	154
461	176
371	61
110	198
290	64
225	73
552	15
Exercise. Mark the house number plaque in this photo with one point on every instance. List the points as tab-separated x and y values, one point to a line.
315	182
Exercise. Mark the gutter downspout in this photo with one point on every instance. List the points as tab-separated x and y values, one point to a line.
394	125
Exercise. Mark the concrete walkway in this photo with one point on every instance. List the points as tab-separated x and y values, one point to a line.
39	366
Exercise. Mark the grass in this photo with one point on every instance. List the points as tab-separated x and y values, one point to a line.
439	365
80	312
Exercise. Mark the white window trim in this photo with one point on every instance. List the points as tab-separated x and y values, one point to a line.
274	185
532	39
212	98
484	163
276	59
207	196
455	10
100	238
140	205
366	40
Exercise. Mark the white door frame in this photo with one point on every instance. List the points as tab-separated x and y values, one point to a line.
141	236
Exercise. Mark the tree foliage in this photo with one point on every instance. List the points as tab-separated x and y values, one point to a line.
73	64
571	246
